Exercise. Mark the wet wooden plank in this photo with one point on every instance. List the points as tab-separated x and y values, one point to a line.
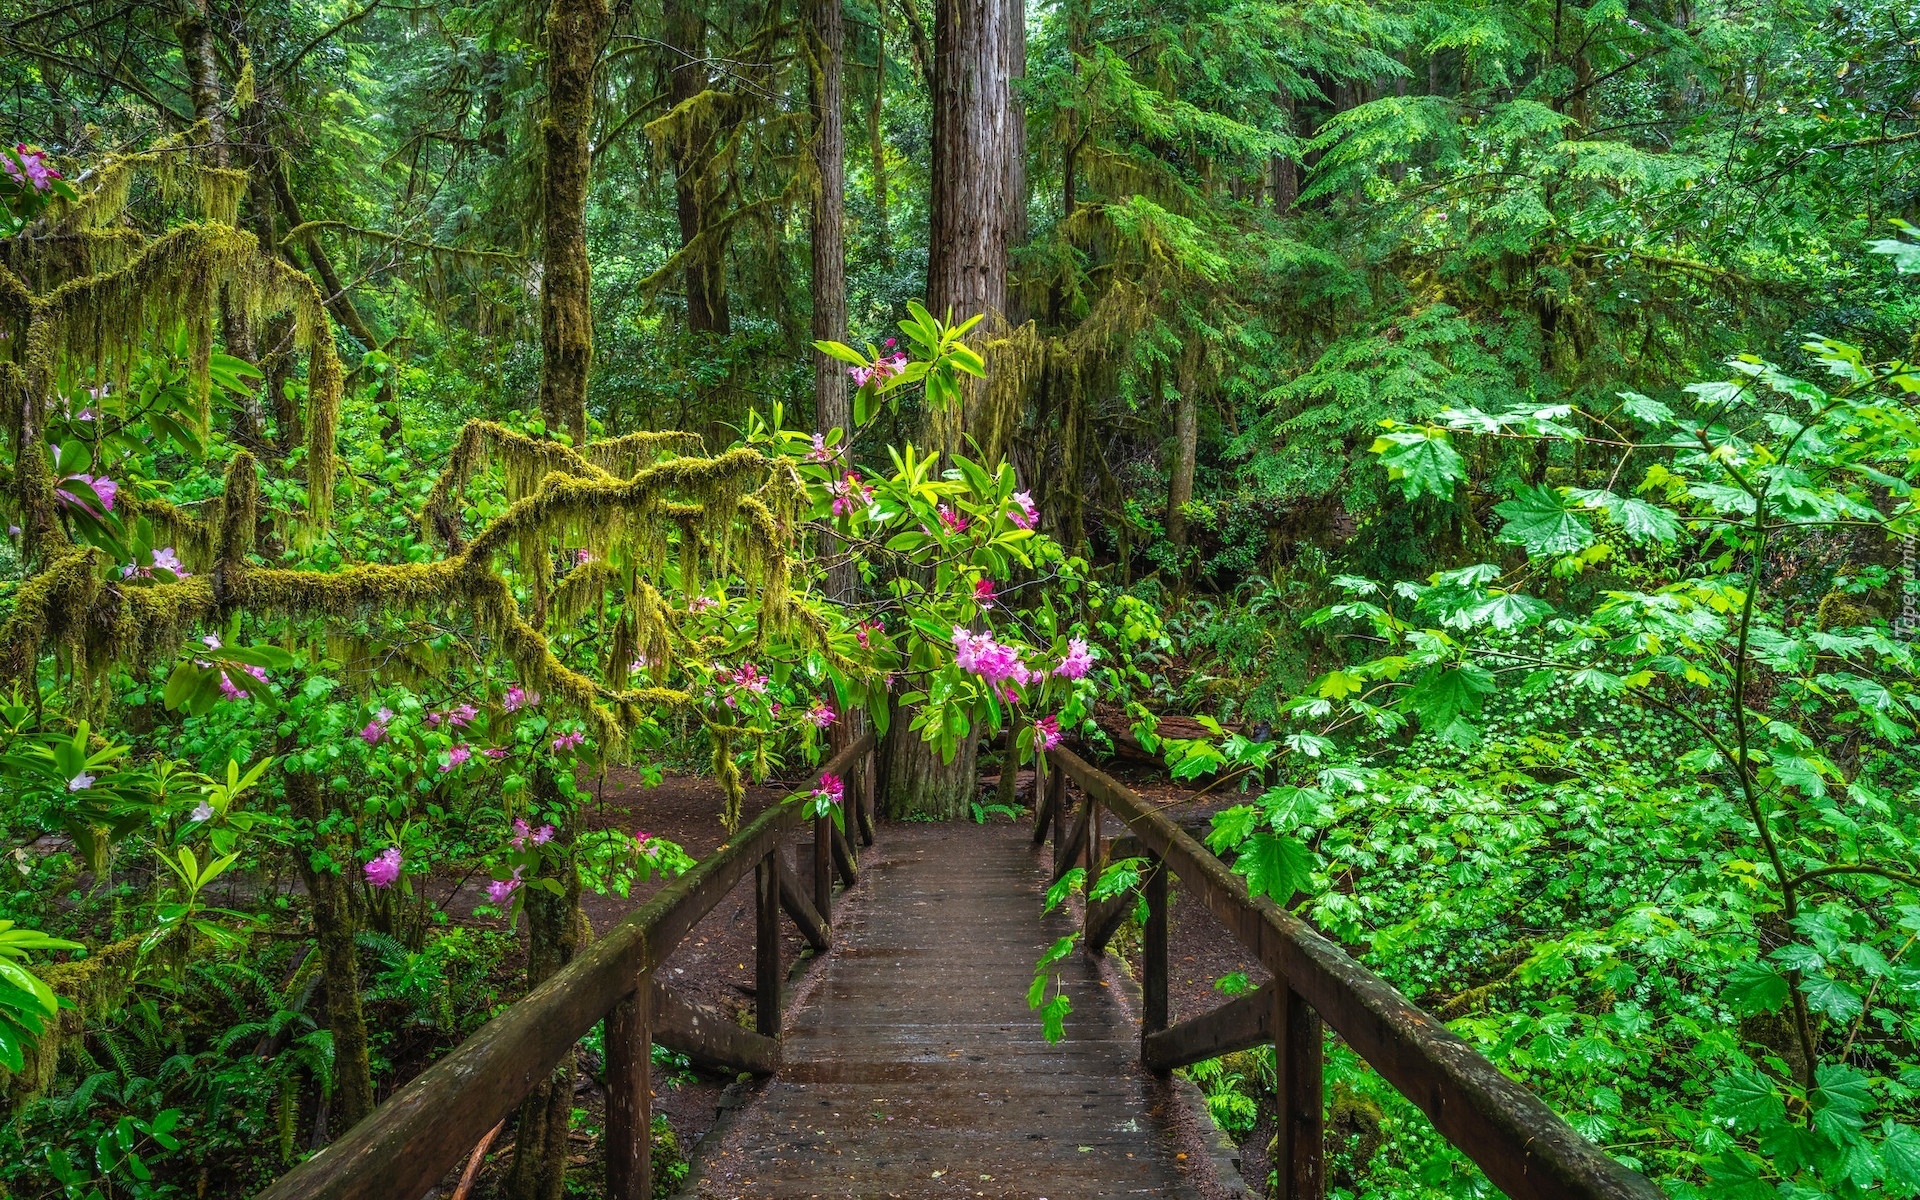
916	1068
709	1037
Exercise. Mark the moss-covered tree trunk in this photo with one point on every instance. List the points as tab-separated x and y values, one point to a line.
334	927
1186	443
832	405
576	30
684	32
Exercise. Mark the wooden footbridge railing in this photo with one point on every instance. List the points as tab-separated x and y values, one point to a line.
427	1127
1524	1147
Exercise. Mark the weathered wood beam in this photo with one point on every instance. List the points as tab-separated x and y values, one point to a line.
1241	1023
1526	1148
806	917
629	1042
1067	855
709	1037
1043	800
844	860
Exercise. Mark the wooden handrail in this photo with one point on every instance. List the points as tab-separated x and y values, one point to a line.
428	1126
1525	1148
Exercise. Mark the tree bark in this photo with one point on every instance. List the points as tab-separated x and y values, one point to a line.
1186	442
335	928
574	33
978	45
684	32
832	405
876	136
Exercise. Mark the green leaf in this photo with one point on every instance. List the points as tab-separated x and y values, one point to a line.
1442	694
1900	1158
1645	409
1541	521
1646	522
1831	996
1274	866
1053	1018
1063	887
1232	826
1749	1100
1755	988
1423	462
1842	1095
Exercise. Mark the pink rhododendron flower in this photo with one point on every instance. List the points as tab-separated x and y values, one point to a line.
1024	513
456	718
543	835
851	496
518	699
80	782
983	592
821	452
831	788
956	522
866	629
376	728
747	676
822	714
500	891
233	691
32	168
457	756
1046	732
568	741
164	559
102	491
882	370
495	752
211	641
990	660
1078	661
701	603
384	869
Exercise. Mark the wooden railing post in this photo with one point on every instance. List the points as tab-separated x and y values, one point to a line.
823	867
1057	801
1298	1056
629	1038
766	946
1153	951
1042	798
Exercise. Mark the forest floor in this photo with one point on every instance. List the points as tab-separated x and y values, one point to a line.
714	965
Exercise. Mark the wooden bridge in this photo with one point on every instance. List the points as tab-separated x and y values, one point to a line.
916	1069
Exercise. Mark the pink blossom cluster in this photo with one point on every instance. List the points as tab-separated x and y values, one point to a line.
822	714
955	522
164	559
32	169
1078	661
747	677
1046	732
500	891
233	691
645	843
377	728
103	489
522	832
568	741
993	662
1024	513
517	699
883	368
458	717
851	496
832	788
384	868
983	593
457	756
821	452
866	629
701	603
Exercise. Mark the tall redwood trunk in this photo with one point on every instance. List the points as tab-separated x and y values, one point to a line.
979	45
574	34
832	406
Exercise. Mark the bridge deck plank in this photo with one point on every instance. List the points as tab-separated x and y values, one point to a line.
914	1067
